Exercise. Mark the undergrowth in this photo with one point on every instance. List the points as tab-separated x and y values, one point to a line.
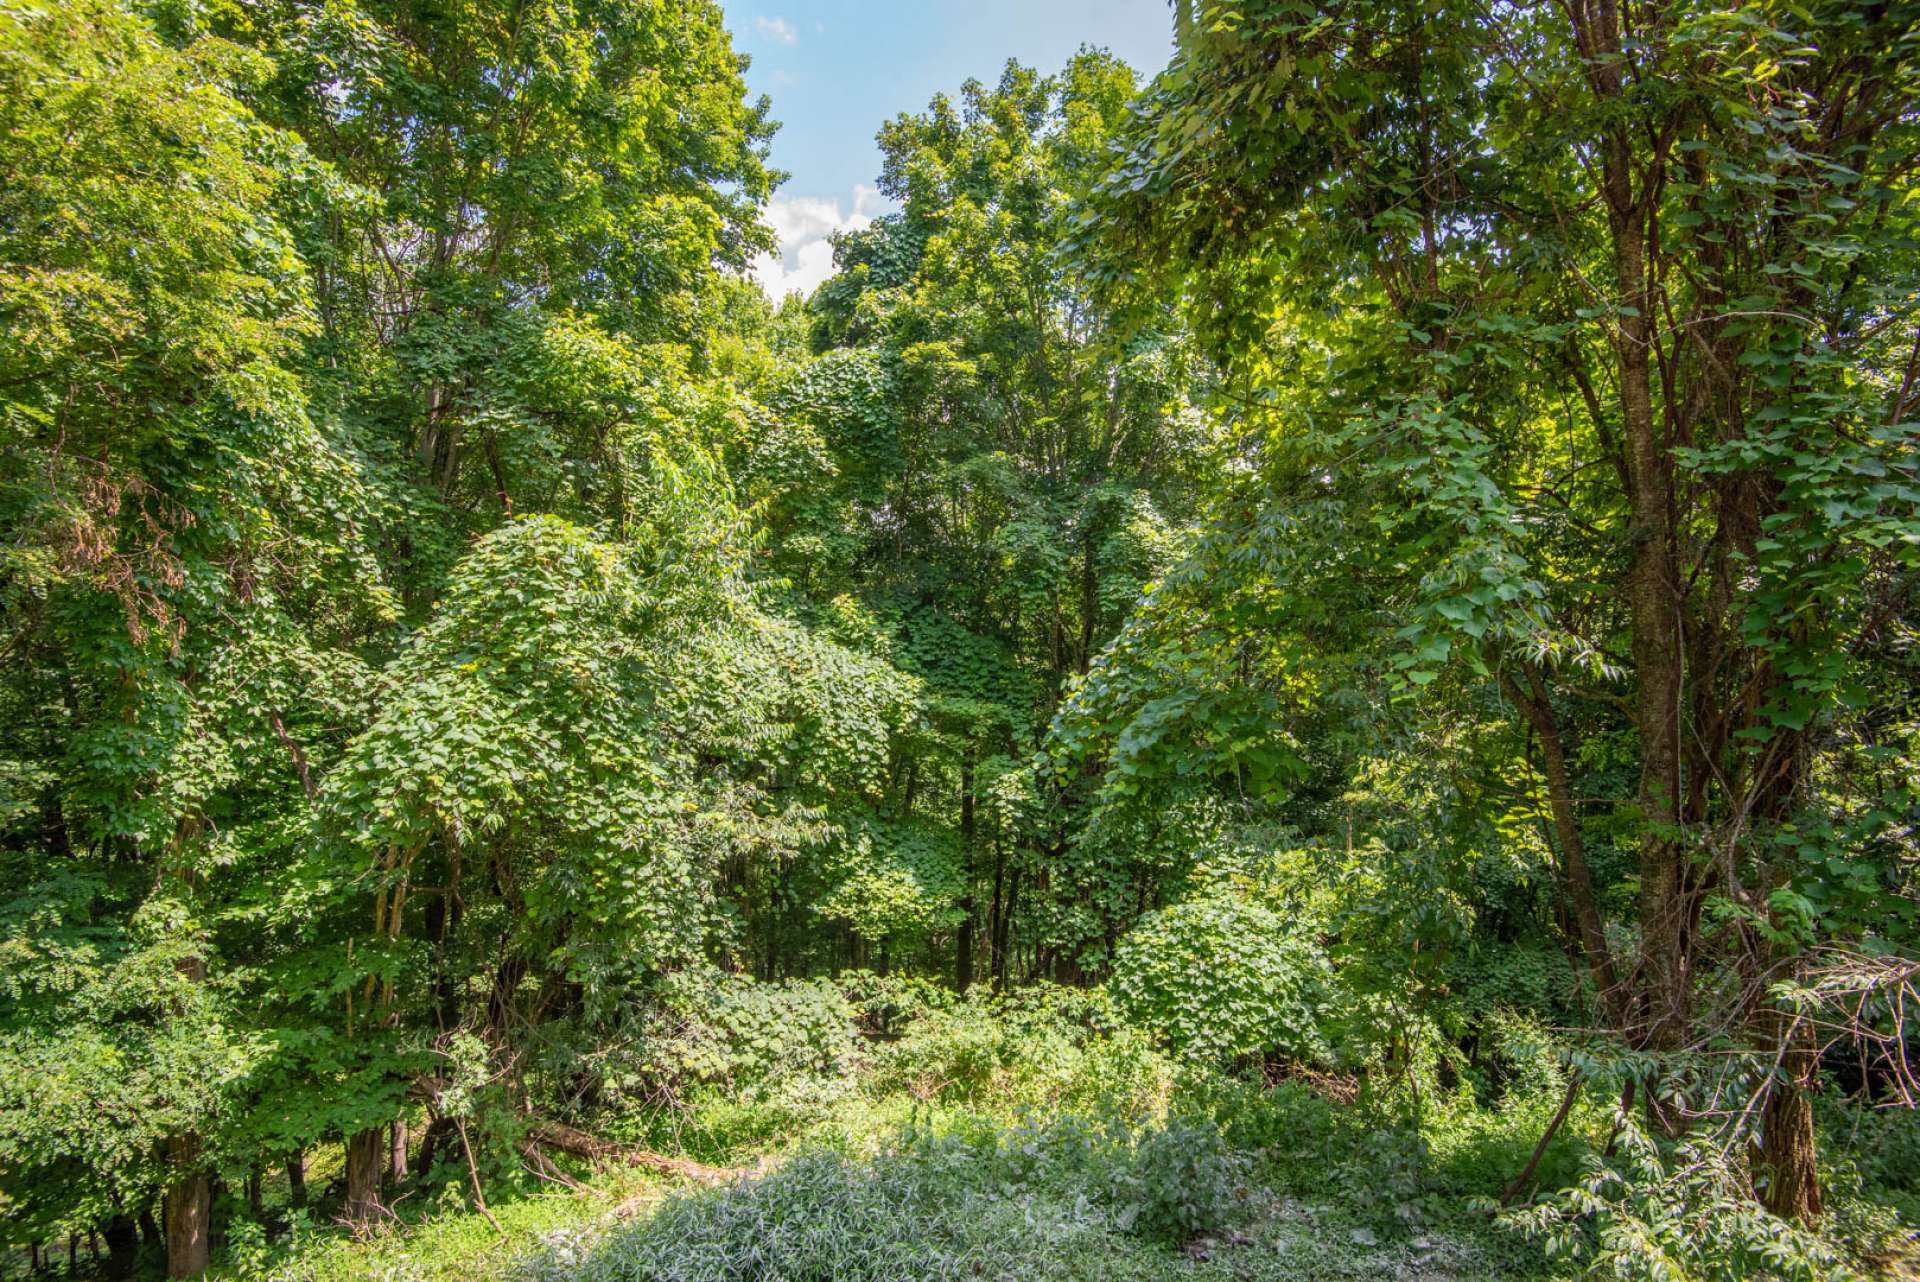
1045	1138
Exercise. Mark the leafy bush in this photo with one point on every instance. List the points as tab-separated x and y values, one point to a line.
1219	976
1662	1216
1183	1180
1289	1123
1527	977
1038	1046
818	1216
1165	1183
1870	1177
1885	1143
725	1028
887	1004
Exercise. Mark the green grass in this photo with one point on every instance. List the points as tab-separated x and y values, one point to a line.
896	1188
452	1242
1018	1172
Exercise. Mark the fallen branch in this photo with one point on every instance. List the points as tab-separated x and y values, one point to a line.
473	1173
592	1148
534	1159
1524	1181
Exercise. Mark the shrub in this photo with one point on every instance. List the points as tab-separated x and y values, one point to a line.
1183	1181
1688	1213
1038	1046
726	1028
1167	1183
885	1005
1289	1125
1218	976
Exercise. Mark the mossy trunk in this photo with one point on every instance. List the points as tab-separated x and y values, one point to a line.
297	1179
123	1246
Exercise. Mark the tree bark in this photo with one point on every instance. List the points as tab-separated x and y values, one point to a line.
1652	586
1787	1153
189	1209
365	1154
189	1200
297	1179
963	944
1003	949
397	1151
123	1246
438	1132
592	1148
1538	709
993	911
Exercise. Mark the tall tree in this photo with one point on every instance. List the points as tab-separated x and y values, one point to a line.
298	302
182	529
1598	319
1010	460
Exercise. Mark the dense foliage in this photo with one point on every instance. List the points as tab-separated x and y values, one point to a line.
1344	616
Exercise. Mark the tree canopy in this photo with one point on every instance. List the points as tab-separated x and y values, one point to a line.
1403	525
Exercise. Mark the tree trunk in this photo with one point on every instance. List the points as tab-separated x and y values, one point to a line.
365	1158
1003	947
1538	709
582	1144
993	911
297	1179
189	1211
506	982
123	1246
397	1152
1089	609
439	1134
1787	1152
963	945
1651	588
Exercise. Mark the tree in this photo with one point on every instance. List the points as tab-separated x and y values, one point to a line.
1597	320
295	304
1006	460
171	506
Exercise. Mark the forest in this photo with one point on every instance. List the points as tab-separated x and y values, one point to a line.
1302	666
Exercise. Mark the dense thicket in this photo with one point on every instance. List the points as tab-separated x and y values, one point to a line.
1396	537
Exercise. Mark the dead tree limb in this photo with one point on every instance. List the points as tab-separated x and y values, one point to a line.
1524	1181
592	1148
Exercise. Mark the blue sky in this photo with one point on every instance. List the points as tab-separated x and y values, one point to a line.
837	69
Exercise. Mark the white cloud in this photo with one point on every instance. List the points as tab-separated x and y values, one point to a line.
778	29
803	226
